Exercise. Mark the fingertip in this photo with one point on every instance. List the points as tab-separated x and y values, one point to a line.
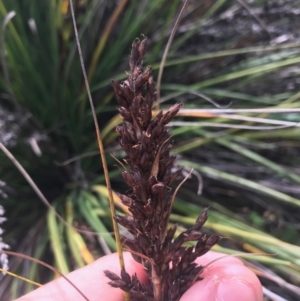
90	280
233	282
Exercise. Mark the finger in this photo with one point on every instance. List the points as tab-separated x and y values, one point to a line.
226	279
90	280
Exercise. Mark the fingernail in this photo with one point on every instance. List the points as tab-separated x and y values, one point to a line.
236	289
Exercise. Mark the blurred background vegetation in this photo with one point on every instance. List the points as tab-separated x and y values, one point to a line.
227	55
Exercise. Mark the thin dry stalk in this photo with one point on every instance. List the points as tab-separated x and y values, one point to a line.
101	149
164	58
171	270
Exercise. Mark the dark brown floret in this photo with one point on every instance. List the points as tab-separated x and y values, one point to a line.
168	263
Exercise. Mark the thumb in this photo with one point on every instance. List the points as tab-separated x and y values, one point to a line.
226	281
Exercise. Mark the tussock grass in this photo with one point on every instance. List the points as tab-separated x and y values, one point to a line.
250	174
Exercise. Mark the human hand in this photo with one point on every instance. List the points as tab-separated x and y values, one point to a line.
226	279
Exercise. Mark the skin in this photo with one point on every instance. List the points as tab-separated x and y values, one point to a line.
226	279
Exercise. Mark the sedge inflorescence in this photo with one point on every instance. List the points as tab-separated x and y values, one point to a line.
167	261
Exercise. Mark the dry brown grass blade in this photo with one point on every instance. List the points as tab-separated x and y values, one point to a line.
164	58
101	148
20	278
